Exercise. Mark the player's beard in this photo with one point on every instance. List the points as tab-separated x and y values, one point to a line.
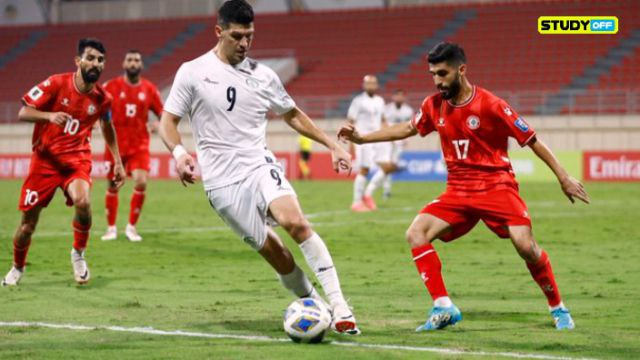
453	89
90	76
133	73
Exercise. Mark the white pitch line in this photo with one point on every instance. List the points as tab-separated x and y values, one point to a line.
262	338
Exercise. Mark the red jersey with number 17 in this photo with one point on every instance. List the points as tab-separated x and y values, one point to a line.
70	142
474	137
130	112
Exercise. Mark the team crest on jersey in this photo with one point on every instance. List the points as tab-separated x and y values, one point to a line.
122	95
91	109
65	102
142	96
508	111
473	122
521	124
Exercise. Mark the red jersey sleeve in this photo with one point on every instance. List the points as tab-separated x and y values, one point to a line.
422	120
41	95
516	126
156	101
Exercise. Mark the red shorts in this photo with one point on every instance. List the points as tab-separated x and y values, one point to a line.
45	176
138	160
498	209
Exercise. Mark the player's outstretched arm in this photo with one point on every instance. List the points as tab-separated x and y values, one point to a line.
301	123
31	114
570	186
396	132
169	134
109	134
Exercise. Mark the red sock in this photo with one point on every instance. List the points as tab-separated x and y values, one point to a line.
20	254
111	207
137	199
543	275
429	267
80	235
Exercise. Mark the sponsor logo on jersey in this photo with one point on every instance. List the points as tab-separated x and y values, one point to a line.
473	122
65	102
521	124
508	111
46	83
35	93
441	121
577	25
142	96
122	95
209	81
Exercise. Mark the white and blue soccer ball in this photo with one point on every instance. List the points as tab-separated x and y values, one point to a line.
307	320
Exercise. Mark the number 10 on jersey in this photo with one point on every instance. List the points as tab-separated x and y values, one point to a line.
462	148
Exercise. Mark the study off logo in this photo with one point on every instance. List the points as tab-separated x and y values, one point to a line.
577	25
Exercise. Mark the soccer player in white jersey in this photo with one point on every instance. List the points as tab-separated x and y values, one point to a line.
395	112
366	112
226	96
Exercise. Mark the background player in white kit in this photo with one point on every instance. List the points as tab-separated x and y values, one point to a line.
395	112
227	96
366	112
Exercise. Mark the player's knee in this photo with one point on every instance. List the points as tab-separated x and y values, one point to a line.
27	229
528	250
298	227
82	204
141	185
416	237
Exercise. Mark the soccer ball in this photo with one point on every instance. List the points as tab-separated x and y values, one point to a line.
307	320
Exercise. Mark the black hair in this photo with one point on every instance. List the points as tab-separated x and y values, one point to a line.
452	53
235	11
92	43
399	90
133	51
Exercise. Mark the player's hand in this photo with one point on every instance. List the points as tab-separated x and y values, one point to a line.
59	118
348	132
573	188
186	167
118	175
341	160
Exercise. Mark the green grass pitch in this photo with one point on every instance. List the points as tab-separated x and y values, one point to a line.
190	273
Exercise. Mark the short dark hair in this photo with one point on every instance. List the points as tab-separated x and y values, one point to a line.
398	91
452	53
133	51
92	43
235	11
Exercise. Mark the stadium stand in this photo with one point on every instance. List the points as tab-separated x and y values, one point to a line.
335	48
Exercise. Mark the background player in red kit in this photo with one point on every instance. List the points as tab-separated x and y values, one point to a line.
64	109
133	97
474	126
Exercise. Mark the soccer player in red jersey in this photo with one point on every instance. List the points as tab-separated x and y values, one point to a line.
133	97
64	109
474	127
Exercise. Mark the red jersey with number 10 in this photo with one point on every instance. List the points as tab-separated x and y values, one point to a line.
474	137
130	112
70	142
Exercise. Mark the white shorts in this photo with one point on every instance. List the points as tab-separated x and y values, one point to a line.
244	205
368	155
396	151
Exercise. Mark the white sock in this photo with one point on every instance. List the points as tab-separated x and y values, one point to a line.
559	306
375	183
358	188
386	184
319	260
297	282
442	301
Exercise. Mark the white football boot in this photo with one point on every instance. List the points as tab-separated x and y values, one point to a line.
13	277
132	234
80	268
111	234
343	320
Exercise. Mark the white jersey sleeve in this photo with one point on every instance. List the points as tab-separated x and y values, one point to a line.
180	97
279	100
354	108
